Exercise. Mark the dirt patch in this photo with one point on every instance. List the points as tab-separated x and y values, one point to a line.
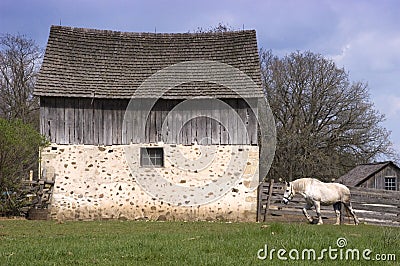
12	218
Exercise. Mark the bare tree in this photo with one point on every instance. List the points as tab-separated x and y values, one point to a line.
325	123
20	60
221	27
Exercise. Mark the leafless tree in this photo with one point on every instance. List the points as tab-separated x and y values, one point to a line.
326	124
20	60
221	27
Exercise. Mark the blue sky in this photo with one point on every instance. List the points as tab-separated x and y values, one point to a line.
361	36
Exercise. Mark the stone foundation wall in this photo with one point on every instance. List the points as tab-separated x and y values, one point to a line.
196	182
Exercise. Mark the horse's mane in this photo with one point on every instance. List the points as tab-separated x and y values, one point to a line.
301	184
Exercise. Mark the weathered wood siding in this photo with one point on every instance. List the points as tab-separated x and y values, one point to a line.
377	181
100	122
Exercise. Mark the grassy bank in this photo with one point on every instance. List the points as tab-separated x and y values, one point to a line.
179	243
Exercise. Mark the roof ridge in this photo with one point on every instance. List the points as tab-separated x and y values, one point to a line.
93	30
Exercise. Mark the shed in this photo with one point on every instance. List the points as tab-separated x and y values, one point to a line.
151	125
379	175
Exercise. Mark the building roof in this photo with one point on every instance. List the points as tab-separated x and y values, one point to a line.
110	64
362	173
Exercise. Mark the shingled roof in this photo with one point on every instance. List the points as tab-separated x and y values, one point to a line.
109	64
361	173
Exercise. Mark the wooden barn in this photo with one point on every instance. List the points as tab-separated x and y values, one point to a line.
150	125
380	175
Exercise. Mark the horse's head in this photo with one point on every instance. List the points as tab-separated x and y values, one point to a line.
289	193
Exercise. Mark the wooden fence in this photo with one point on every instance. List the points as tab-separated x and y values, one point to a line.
372	206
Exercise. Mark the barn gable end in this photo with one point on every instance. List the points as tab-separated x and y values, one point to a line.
380	175
200	134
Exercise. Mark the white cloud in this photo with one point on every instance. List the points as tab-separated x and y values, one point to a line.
371	51
339	58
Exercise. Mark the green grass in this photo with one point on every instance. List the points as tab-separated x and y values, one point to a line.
179	243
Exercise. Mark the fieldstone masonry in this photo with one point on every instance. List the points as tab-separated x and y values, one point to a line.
197	182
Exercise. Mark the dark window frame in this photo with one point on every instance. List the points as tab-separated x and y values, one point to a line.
152	157
390	183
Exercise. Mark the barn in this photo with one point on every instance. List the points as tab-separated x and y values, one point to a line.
151	125
379	175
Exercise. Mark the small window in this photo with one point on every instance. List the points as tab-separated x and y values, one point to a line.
390	183
152	157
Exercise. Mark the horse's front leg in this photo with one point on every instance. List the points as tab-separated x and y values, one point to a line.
317	206
307	207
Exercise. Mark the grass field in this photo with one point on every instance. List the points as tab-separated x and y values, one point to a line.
193	243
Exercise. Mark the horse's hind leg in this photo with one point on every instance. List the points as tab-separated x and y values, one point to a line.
350	209
337	207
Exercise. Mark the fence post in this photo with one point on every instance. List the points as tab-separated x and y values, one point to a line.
259	201
270	188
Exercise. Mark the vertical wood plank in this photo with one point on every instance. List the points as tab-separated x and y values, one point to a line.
170	122
185	133
60	121
42	116
233	121
117	115
118	120
126	125
122	110
164	124
115	133
176	123
152	125
158	108
134	116
79	120
124	132
98	118
202	129
193	124
224	120
69	121
52	119
107	129
88	121
208	126
46	116
66	120
253	123
215	124
243	134
146	116
145	120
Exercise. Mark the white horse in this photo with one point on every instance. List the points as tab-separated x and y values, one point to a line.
317	193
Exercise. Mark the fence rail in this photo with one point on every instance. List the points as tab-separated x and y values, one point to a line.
371	205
